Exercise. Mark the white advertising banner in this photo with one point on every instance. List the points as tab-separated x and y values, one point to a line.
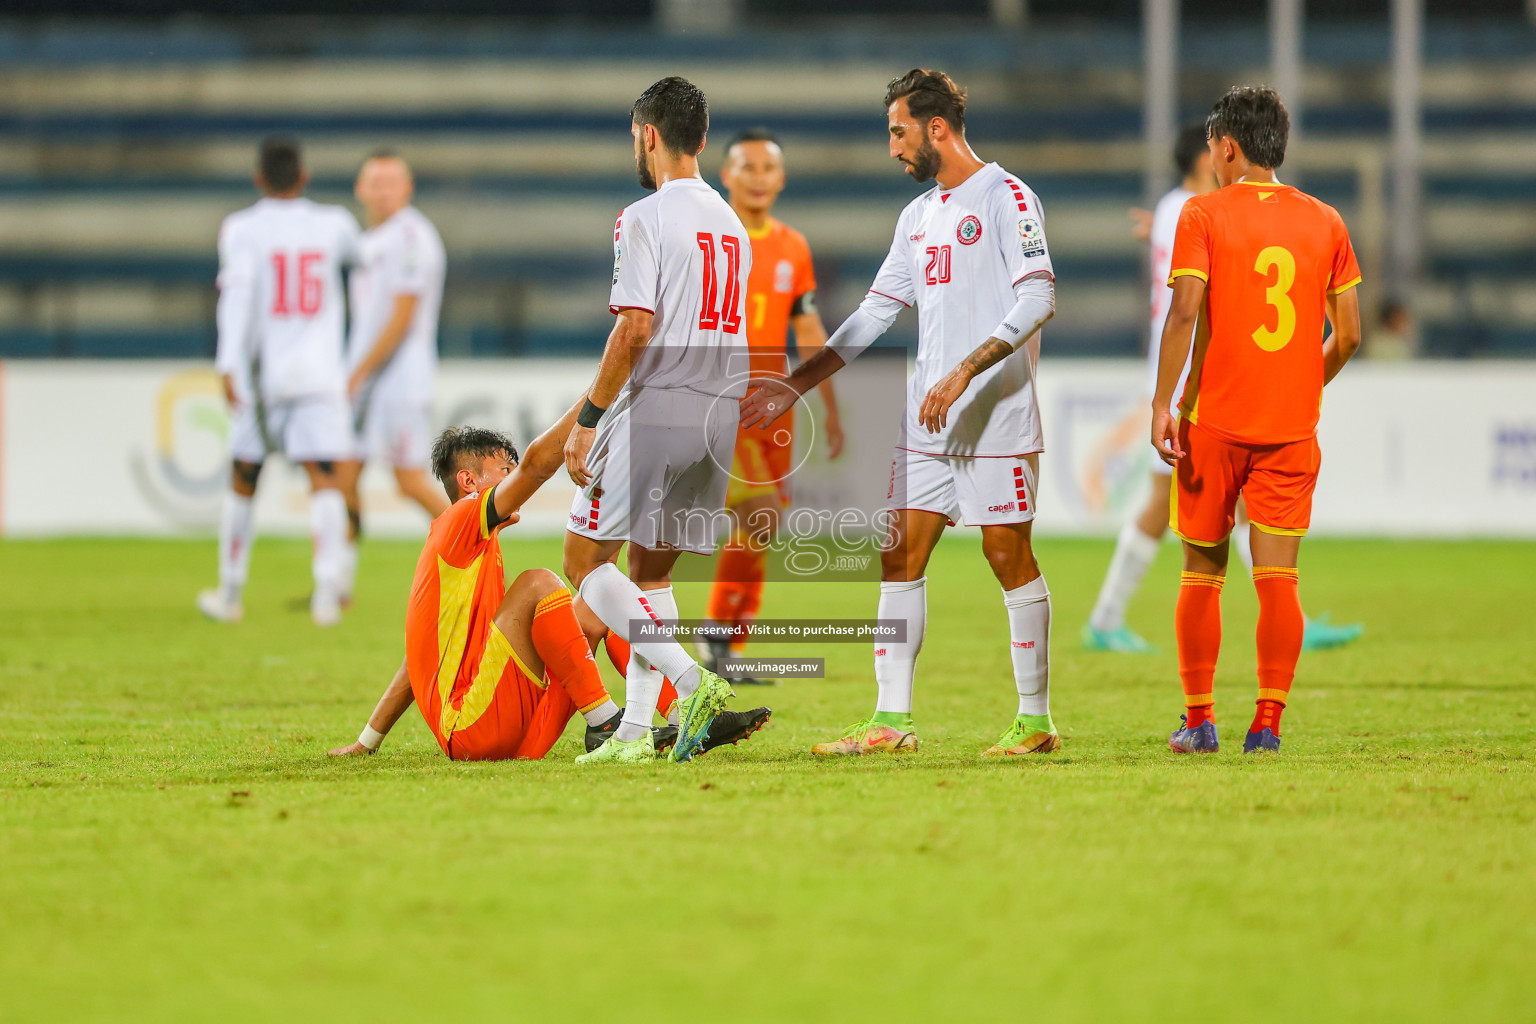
1417	449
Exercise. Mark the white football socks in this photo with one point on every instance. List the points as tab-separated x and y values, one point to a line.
618	601
1029	635
642	689
328	524
600	714
348	568
1134	553
236	531
896	663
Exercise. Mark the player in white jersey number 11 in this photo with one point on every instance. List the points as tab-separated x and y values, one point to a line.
971	255
651	448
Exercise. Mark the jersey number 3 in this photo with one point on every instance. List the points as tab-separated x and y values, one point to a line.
1277	295
309	285
721	313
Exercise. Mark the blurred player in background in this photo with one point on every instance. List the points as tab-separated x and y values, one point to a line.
281	317
658	425
1257	265
1137	547
971	255
396	291
781	293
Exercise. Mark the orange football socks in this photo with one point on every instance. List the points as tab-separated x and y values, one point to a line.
559	639
1281	625
1197	625
738	590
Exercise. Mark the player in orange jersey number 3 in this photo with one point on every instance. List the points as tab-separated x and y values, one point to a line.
1257	265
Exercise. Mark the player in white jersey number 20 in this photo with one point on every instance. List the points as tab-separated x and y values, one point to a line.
281	316
396	291
971	255
651	450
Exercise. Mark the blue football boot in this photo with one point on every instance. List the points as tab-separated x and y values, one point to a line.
1199	740
1262	741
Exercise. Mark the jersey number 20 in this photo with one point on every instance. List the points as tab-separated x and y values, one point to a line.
717	314
309	286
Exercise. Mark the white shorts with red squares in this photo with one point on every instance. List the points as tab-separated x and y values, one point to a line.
975	490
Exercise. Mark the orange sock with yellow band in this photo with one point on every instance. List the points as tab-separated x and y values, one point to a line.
1197	625
738	590
618	653
1281	626
562	645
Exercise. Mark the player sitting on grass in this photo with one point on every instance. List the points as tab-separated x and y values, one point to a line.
498	671
1257	265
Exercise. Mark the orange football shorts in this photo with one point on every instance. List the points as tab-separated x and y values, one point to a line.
1276	482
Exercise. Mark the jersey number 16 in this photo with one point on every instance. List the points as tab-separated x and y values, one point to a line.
306	285
721	313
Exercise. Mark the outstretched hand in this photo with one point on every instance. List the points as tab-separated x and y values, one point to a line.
353	749
767	399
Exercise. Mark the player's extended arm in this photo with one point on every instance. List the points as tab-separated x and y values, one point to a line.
1173	352
235	315
1344	340
397	697
544	456
810	338
388	341
1036	304
631	333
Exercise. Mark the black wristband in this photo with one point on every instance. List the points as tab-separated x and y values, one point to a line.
589	414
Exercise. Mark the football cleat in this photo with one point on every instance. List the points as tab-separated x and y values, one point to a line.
1261	742
325	607
1199	740
615	751
731	727
218	607
869	737
1120	640
1323	635
711	650
662	737
1025	736
695	712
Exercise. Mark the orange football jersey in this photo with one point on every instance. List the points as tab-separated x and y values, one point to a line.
782	275
1270	255
459	586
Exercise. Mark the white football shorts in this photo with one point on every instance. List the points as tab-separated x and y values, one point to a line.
397	433
661	462
315	428
975	490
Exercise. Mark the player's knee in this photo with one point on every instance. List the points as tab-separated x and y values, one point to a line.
243	477
537	582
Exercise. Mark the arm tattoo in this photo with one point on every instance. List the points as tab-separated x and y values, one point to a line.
989	352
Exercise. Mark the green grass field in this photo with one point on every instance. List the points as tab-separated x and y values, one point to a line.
175	846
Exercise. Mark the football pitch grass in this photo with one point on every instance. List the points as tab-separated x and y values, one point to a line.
175	846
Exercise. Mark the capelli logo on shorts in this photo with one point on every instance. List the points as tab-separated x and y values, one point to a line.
1024	645
879	652
1000	508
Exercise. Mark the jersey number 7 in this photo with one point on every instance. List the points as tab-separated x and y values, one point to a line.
310	285
719	315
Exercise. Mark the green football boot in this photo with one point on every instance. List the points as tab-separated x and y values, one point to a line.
615	751
1029	734
695	712
1120	640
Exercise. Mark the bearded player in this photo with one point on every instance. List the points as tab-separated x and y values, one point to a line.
970	253
781	293
1259	266
655	432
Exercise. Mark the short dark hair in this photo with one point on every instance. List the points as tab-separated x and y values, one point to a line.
1255	118
281	163
457	446
929	94
1190	144
752	135
678	111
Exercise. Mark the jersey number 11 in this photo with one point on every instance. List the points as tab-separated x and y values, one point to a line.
717	315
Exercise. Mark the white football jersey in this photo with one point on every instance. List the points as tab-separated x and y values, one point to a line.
1165	224
281	308
682	254
957	256
402	256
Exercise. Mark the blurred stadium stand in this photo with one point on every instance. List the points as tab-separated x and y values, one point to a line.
123	143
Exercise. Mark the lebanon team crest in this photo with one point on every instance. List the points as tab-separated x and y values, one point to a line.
969	230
